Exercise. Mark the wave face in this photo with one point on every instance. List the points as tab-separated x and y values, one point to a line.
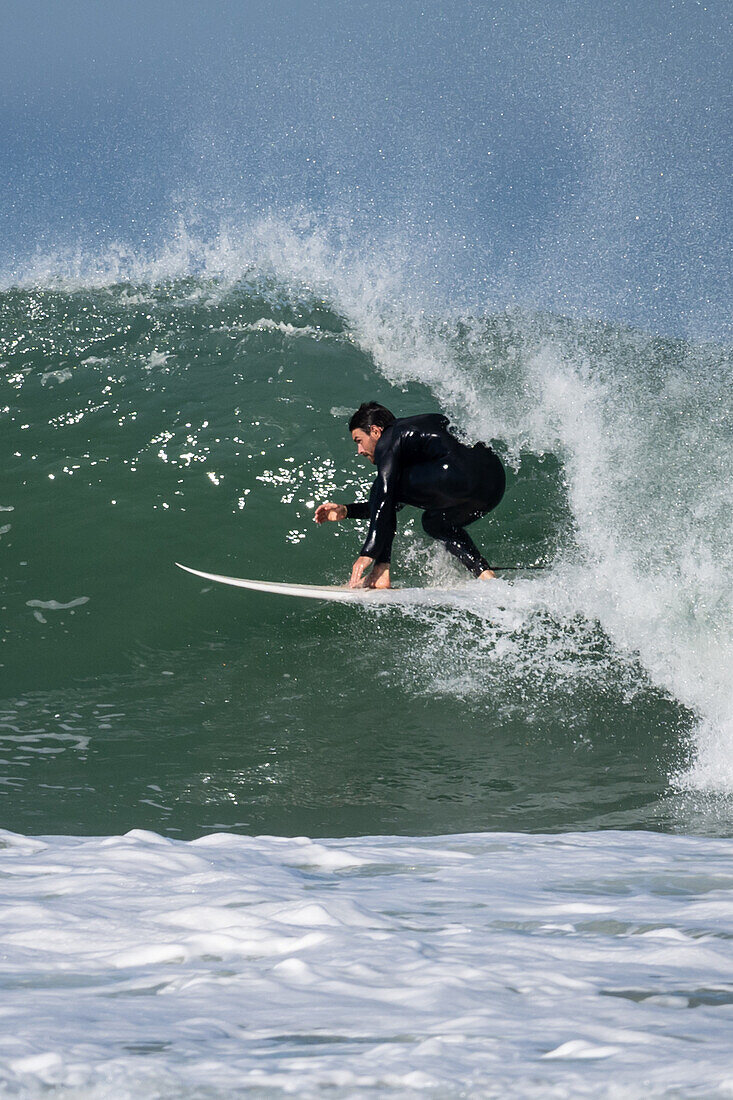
151	415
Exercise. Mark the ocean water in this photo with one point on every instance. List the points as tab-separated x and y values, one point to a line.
254	846
512	882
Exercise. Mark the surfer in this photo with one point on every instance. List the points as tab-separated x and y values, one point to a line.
418	462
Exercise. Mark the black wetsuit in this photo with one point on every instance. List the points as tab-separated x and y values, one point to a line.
419	462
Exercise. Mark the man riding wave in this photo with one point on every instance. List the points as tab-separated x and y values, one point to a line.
419	462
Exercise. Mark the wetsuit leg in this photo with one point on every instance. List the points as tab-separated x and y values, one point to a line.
484	474
447	526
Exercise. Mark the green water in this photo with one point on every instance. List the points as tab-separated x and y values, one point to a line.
142	426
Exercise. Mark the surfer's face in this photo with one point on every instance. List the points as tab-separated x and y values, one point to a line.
366	442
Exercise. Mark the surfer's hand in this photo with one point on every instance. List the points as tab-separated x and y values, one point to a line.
355	581
379	576
330	511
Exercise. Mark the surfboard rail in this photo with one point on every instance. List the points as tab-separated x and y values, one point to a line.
334	592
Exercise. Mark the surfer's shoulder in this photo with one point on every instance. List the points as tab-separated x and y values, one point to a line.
405	429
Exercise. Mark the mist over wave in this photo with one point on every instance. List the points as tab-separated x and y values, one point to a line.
541	157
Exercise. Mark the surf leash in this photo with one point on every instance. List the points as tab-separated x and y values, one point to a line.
516	568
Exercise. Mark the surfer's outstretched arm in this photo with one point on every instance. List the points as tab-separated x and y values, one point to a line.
331	511
379	575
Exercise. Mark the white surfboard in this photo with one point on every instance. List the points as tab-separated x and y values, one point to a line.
334	592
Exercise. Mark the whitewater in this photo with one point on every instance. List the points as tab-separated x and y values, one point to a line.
492	965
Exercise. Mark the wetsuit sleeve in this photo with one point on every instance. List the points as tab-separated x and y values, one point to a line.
383	505
360	509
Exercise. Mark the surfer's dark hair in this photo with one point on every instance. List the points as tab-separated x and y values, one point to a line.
368	414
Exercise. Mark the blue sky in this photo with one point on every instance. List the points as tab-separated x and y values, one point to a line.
568	155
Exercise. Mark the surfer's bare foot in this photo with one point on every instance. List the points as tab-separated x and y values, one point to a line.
486	575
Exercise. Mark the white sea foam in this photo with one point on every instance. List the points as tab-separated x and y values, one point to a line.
495	965
56	605
285	328
56	376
